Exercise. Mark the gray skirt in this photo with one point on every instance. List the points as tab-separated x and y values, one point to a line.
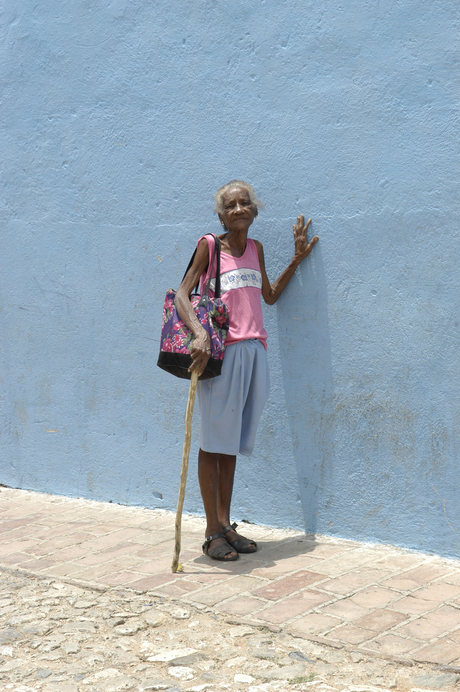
231	404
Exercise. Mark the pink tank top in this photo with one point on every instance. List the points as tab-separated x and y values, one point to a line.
241	290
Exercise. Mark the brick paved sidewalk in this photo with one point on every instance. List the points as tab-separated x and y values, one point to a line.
375	599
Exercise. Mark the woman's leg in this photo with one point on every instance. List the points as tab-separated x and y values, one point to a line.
225	475
226	468
215	474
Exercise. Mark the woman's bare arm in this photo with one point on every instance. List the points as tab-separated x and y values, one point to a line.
302	248
200	349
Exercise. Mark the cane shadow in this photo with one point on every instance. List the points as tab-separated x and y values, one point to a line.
306	366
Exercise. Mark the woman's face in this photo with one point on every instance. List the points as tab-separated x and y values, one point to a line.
239	212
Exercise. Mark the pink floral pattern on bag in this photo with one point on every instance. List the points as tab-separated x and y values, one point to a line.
176	336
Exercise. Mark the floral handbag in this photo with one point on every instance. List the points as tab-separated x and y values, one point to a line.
176	337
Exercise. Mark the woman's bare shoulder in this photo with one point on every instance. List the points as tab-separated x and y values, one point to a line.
202	247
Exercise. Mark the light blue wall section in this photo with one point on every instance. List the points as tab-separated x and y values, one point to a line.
121	119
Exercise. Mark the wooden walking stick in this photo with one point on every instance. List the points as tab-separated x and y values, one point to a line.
176	566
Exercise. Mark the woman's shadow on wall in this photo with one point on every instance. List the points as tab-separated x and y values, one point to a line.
306	364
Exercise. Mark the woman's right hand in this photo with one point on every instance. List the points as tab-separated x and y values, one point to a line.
200	350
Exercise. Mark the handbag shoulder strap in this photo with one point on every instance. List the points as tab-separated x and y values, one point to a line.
216	255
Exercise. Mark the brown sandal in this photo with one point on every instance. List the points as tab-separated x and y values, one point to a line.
240	544
219	552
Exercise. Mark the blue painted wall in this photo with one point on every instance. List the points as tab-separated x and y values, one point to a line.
121	119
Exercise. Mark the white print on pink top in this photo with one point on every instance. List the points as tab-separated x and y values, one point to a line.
238	278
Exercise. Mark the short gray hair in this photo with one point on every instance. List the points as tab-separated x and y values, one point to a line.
219	207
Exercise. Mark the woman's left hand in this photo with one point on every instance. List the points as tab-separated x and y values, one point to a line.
302	246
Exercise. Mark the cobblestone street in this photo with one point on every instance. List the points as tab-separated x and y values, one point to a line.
88	604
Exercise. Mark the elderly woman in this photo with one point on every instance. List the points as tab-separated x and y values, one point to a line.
232	403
